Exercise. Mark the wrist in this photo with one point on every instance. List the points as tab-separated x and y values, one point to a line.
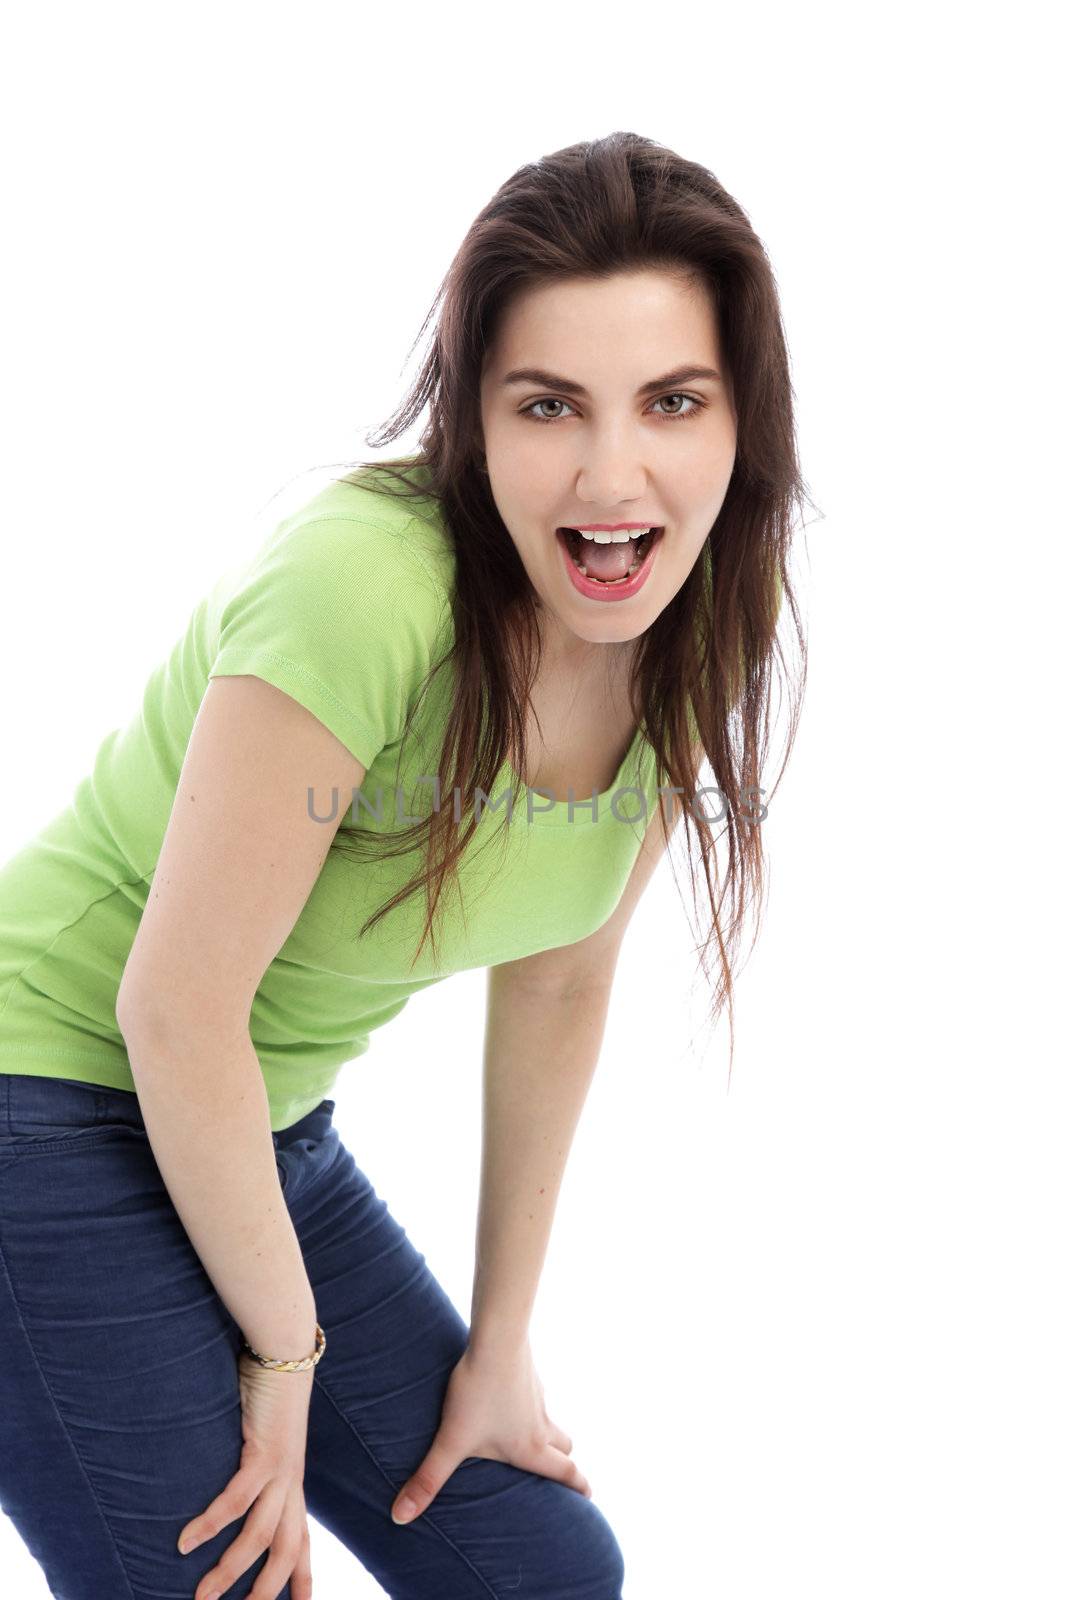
495	1339
288	1343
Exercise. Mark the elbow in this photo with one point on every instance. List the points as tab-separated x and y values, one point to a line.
156	1016
129	1011
561	977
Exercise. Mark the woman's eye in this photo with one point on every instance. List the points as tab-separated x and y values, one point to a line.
693	401
530	410
668	416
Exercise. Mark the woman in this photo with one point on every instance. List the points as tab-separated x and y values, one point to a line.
512	651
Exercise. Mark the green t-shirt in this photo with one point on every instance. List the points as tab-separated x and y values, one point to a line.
345	607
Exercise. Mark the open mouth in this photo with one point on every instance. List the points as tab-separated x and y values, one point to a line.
585	553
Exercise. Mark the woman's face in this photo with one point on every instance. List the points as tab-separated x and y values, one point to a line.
629	449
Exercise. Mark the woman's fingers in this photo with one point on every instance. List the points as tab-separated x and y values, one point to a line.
285	1559
233	1502
277	1522
561	1440
300	1583
260	1532
427	1481
562	1467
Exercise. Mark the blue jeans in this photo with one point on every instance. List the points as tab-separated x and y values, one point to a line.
120	1415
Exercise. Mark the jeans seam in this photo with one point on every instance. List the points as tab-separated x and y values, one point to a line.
50	1146
62	1421
425	1517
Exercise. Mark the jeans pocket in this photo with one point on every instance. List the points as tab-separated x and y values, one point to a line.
55	1138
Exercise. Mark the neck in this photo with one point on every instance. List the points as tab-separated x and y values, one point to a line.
565	651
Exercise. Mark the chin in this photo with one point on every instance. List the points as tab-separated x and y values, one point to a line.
613	628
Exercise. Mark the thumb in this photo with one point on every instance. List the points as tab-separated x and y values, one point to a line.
425	1482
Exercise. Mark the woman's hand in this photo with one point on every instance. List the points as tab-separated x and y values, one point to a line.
495	1408
270	1482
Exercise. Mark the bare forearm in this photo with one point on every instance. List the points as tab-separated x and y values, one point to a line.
540	1055
206	1112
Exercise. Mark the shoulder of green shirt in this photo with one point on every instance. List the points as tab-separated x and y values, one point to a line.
419	533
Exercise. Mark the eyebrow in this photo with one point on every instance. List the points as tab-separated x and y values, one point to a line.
552	380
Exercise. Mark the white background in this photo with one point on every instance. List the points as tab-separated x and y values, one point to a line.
808	1334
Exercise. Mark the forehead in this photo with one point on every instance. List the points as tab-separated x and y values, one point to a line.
647	314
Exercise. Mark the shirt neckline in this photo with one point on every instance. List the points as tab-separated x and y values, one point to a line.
560	814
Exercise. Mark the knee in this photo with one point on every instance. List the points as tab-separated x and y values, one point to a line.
590	1559
533	1535
607	1582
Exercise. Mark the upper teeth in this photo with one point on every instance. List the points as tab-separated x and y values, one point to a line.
618	537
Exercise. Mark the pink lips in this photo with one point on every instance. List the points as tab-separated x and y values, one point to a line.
593	590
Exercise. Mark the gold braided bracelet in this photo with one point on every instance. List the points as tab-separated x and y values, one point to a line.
292	1366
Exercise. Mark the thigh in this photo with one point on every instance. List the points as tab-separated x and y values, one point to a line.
393	1337
119	1404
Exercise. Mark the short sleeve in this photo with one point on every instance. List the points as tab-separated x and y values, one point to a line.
343	614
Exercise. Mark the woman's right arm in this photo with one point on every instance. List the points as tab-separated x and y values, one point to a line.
240	857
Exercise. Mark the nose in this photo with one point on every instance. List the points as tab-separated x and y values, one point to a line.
610	478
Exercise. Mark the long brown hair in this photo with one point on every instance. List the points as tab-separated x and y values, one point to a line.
614	204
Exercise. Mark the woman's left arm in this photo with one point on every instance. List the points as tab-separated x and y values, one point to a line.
541	1049
545	1021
